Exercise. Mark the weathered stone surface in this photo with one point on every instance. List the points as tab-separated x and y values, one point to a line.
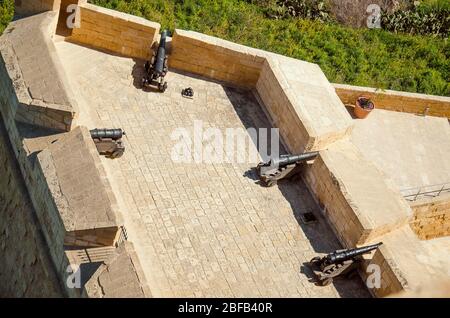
431	217
397	101
411	150
408	263
358	200
296	94
120	276
302	103
79	186
115	31
435	288
45	98
199	229
26	268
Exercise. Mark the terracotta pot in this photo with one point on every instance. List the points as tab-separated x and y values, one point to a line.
361	112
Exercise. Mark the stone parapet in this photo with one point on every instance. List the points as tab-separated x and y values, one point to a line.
216	58
296	94
407	263
293	91
25	262
74	204
44	95
357	199
80	190
120	275
414	103
302	103
114	31
392	279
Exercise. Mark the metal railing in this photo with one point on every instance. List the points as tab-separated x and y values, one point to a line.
430	191
123	236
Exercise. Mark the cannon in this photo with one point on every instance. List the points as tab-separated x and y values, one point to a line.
156	69
339	263
282	167
109	142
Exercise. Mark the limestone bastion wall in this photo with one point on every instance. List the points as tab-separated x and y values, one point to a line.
26	266
114	31
43	96
72	206
431	217
360	204
305	107
405	102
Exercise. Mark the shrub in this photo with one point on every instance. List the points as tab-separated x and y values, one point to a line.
430	18
307	9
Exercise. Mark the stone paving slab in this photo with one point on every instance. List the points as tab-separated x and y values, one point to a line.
119	276
198	229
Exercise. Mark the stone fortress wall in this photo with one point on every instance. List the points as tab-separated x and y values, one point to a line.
73	211
27	268
291	91
431	217
116	32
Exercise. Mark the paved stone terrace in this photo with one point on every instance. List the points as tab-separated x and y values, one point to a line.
199	229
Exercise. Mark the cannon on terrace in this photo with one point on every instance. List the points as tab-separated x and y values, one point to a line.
109	142
282	167
339	263
156	69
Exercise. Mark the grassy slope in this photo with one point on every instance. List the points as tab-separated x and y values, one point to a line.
360	57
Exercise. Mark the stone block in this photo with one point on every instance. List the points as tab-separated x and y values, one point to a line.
115	31
121	275
83	199
361	195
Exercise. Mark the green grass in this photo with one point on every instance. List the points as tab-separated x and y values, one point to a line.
6	13
363	57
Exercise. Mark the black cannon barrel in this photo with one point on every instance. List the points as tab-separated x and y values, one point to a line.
107	133
161	55
337	257
290	159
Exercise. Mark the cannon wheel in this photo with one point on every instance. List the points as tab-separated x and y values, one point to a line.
144	81
326	281
271	183
315	259
162	86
